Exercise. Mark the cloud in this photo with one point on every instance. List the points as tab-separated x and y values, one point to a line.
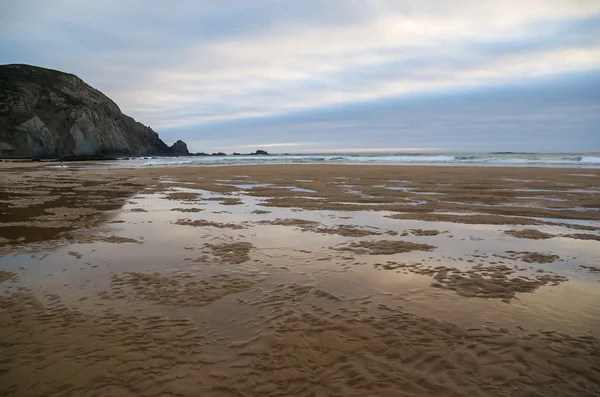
551	113
388	55
195	64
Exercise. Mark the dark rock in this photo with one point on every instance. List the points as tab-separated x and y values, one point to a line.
49	114
180	148
257	153
219	154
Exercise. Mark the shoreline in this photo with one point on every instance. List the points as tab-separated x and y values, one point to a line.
88	165
584	160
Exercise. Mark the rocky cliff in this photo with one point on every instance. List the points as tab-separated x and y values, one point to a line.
47	113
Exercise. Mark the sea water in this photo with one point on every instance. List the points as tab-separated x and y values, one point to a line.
504	159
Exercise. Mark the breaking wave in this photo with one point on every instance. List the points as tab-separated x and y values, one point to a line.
576	160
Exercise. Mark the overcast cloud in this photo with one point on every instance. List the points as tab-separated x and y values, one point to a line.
322	75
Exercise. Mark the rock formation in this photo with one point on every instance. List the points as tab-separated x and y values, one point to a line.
180	148
257	153
46	113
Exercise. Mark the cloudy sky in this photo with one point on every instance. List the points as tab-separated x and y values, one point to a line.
325	75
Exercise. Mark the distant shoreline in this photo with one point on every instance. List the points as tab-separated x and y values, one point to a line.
581	160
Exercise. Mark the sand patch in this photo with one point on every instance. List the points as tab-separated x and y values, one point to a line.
260	212
582	236
313	226
424	232
175	290
591	269
29	201
479	281
534	257
182	196
76	254
205	223
47	224
66	213
491	282
467	219
87	239
346	231
384	247
532	234
233	253
117	240
6	276
58	217
291	222
576	227
227	200
187	209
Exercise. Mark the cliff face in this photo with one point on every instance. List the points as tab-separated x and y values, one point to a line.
46	113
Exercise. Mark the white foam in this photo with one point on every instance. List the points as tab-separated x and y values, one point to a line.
578	160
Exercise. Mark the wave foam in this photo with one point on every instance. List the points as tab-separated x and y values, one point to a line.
498	159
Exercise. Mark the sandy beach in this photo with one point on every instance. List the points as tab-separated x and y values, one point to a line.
300	280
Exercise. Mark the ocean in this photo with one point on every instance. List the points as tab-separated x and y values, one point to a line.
503	159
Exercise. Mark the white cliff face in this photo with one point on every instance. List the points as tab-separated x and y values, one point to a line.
41	142
94	133
84	136
45	113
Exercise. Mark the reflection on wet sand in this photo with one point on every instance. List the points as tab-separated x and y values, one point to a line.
262	281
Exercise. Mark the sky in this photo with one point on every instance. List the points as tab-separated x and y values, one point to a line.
330	75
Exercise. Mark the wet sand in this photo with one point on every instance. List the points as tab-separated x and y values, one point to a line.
299	280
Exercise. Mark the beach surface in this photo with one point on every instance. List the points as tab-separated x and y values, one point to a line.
302	280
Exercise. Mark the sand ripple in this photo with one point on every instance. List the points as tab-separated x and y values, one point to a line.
379	350
174	290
